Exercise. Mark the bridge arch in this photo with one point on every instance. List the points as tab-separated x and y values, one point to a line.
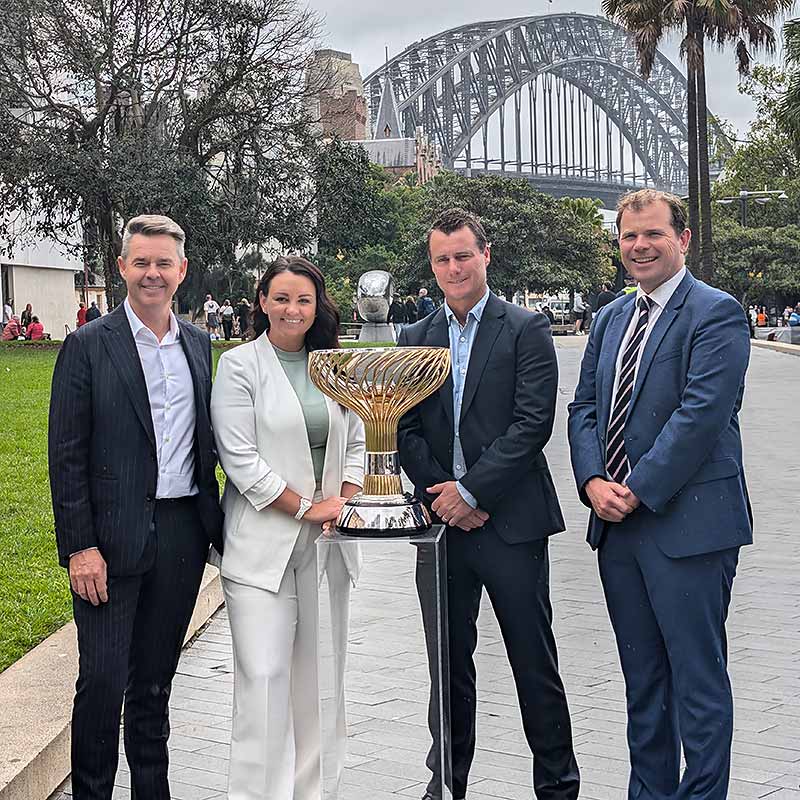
457	85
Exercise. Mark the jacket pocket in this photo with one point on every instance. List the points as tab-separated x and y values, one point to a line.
714	471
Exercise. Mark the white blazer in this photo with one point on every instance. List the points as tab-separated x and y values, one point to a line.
263	448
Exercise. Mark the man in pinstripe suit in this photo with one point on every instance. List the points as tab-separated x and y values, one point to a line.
136	503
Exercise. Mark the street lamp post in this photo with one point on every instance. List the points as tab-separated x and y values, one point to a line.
762	196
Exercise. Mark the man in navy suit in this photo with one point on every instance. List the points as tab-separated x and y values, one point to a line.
657	455
136	503
475	453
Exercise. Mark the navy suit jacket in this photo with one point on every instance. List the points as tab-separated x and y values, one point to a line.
102	449
682	430
507	415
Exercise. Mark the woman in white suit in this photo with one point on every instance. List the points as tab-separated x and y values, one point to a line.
292	456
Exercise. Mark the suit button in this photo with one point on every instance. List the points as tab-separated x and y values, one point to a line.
149	498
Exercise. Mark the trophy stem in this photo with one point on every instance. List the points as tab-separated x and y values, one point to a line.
382	474
381	436
382	485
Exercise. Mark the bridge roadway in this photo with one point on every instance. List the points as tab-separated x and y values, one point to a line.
387	678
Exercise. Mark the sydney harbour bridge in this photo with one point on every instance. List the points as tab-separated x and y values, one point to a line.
557	99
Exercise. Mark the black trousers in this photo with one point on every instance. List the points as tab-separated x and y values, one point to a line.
129	648
517	579
227	327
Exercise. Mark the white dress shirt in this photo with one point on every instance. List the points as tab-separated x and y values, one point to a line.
171	393
659	298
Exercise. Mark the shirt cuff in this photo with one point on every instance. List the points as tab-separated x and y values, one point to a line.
85	550
467	496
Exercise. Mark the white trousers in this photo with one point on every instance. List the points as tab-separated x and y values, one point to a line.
275	738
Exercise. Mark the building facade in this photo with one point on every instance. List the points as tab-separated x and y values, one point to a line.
39	274
337	102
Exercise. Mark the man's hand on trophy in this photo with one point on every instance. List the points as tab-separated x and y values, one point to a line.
453	510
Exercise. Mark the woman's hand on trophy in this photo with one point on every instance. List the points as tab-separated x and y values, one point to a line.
326	510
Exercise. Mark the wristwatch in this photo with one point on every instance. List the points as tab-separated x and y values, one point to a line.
305	504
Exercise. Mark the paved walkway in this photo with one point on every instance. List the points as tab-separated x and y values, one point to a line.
387	675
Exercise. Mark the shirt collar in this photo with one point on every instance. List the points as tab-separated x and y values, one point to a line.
137	326
476	311
661	294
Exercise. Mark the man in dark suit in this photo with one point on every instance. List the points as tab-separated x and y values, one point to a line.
136	504
474	453
657	455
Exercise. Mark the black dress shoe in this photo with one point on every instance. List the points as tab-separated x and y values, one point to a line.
429	796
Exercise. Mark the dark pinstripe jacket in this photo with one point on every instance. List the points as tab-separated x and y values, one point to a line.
102	449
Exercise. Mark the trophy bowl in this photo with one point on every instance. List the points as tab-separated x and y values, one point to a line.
380	384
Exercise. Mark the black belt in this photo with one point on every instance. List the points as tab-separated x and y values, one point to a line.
186	498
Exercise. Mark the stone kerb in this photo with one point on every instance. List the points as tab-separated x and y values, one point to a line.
36	701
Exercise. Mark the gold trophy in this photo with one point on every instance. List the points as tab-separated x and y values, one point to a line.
380	384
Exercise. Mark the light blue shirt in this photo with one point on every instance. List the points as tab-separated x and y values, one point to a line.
461	341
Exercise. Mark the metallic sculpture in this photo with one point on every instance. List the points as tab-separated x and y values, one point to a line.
380	385
374	295
598	127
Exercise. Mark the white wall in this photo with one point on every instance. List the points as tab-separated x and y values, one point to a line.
50	291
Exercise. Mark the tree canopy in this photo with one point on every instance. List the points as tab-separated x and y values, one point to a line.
191	108
537	242
760	260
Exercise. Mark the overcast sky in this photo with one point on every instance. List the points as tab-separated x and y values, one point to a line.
365	28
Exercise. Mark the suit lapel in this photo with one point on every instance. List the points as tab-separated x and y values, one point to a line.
121	348
190	350
488	329
612	341
665	319
439	336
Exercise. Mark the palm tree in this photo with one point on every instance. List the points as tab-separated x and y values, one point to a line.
585	210
649	21
789	110
743	22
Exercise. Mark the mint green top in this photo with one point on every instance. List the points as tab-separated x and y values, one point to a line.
312	401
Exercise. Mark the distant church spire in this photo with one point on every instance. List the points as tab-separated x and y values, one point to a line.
387	124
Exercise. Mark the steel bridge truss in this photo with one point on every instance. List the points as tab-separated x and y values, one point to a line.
557	98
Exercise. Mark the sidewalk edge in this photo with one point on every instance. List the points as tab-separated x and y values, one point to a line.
36	695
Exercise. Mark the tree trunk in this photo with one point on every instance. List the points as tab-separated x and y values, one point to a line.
106	235
707	241
694	186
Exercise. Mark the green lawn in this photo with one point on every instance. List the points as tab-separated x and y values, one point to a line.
34	590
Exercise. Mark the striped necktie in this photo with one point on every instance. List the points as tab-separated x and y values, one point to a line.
616	457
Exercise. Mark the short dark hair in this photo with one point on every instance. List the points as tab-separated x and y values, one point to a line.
454	219
324	333
34	319
636	201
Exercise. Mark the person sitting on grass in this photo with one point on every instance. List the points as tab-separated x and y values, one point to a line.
34	331
12	330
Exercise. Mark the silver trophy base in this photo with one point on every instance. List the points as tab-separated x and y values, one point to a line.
396	515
